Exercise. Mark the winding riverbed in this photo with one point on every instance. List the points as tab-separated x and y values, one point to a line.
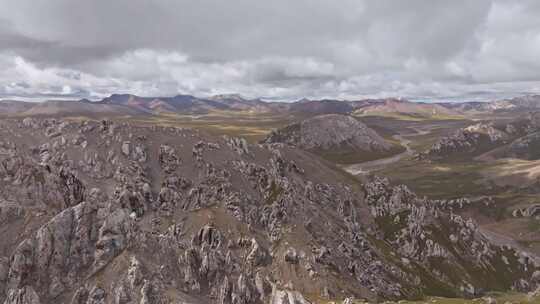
374	165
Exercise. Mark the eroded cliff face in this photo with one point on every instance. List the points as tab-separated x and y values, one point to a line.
99	212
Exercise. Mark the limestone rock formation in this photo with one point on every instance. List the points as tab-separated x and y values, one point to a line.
472	140
105	212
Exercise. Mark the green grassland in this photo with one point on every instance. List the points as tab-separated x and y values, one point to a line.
347	156
499	297
412	116
440	181
423	142
503	298
388	126
253	127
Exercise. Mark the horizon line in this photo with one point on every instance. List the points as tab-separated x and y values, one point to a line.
269	99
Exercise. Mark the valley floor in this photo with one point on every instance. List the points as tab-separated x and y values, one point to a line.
512	183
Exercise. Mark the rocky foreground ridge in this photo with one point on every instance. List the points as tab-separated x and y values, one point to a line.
98	212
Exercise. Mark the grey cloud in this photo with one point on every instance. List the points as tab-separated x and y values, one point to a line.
283	49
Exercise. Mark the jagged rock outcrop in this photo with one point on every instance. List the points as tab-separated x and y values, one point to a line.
519	138
286	297
419	230
529	211
470	140
25	295
523	143
172	216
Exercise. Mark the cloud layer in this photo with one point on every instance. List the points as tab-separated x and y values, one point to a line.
420	49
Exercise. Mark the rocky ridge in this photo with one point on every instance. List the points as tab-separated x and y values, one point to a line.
327	132
99	212
473	139
519	138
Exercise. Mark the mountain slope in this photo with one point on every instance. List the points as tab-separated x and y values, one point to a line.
72	108
392	106
517	104
526	145
12	107
317	107
328	132
238	103
515	138
115	213
475	140
186	104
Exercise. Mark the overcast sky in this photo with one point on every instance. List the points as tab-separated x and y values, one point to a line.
281	49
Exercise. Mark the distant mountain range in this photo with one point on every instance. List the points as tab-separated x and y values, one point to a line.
127	104
403	107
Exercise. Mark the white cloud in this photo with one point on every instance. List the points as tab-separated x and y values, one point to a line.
282	49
